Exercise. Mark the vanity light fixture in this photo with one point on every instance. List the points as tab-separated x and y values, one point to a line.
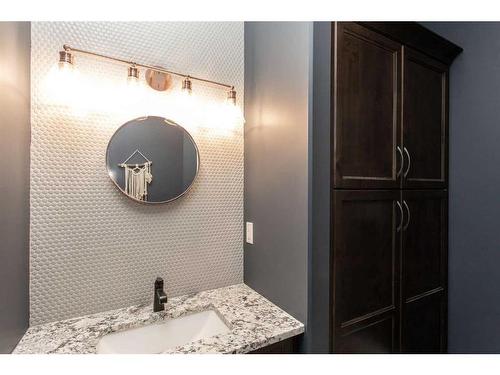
66	57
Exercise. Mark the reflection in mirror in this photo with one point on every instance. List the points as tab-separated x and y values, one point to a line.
152	160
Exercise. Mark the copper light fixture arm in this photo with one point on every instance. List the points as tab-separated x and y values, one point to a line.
155	68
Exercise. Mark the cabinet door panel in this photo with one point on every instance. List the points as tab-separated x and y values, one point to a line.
425	129
424	271
367	122
365	267
372	338
424	325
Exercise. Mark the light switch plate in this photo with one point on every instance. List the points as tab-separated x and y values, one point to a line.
249	232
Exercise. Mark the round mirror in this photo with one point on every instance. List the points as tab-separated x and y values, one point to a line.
152	160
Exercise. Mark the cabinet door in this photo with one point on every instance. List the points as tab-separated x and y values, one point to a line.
424	272
367	111
366	252
425	122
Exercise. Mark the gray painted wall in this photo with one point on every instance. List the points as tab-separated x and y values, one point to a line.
318	319
474	207
14	183
277	68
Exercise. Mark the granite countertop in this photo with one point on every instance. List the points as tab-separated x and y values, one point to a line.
254	322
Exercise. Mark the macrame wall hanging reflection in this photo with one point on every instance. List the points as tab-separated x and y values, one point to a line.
137	177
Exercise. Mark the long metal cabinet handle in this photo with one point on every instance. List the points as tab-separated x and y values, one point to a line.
402	161
409	162
400	216
409	216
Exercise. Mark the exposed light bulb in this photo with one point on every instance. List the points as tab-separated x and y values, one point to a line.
233	115
185	106
60	83
232	112
134	94
223	118
64	86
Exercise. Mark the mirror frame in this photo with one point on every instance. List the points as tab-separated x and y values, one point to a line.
171	123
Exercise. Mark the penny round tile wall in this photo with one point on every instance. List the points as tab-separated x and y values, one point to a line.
92	248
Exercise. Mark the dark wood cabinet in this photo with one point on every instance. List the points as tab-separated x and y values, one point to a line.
424	327
389	134
367	131
390	114
287	346
366	270
389	271
425	117
424	271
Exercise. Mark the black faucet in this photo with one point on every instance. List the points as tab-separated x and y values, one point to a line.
160	298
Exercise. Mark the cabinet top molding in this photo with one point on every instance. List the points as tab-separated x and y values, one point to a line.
418	37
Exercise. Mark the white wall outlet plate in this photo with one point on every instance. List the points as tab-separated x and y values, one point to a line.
249	232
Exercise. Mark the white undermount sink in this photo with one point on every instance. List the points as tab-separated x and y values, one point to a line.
156	338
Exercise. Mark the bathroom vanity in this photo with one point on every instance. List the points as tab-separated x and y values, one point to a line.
233	319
